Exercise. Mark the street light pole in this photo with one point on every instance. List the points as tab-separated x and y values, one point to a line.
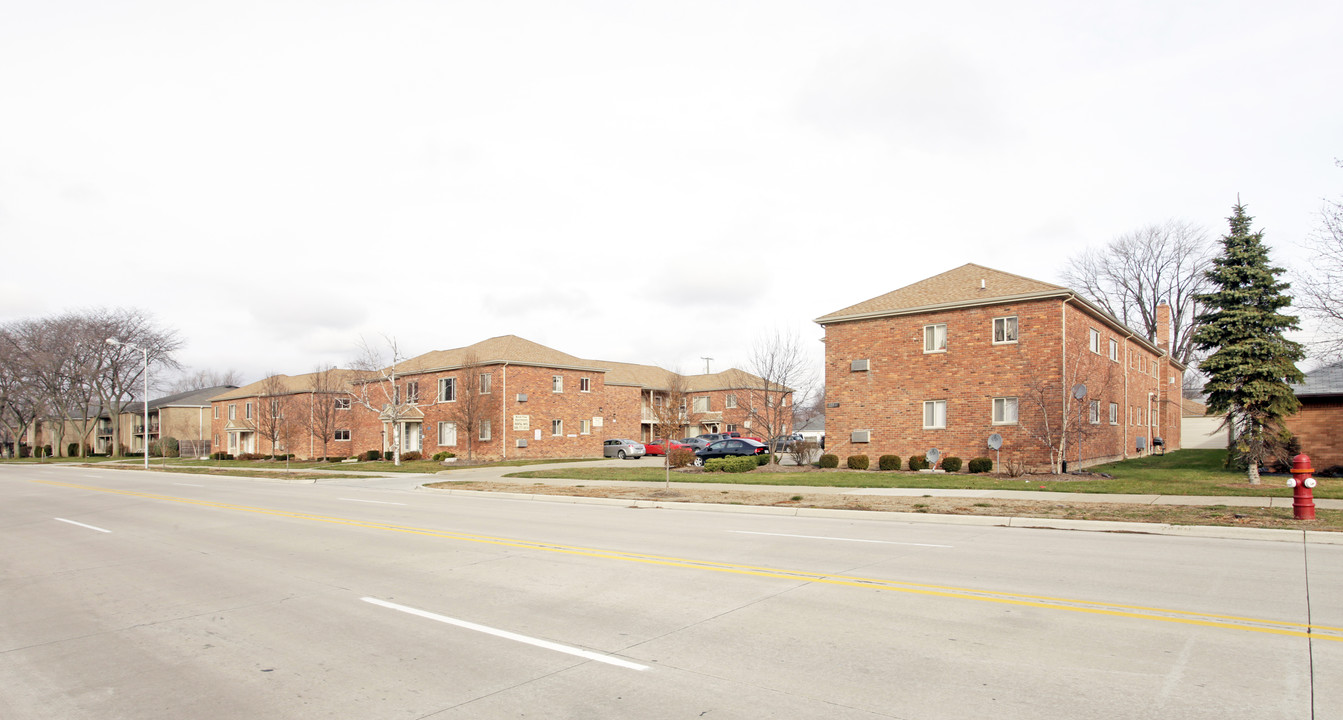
118	343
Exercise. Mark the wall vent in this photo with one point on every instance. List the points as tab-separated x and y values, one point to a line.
860	365
861	436
522	397
522	442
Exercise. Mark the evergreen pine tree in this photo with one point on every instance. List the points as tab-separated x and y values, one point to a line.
1251	362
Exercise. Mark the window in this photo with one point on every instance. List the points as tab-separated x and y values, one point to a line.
1114	413
1005	411
935	338
447	389
702	404
557	383
1096	341
934	414
484	430
247	411
730	401
275	407
1114	350
657	399
232	412
485	383
342	403
584	427
341	435
732	428
584	384
216	409
216	443
413	391
447	434
1095	412
1005	330
556	427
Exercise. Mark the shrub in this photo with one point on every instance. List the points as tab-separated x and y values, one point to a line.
680	457
72	449
443	455
918	462
763	459
250	456
857	462
221	455
46	450
169	447
335	458
981	465
951	463
744	463
888	462
803	451
412	455
386	454
829	461
372	455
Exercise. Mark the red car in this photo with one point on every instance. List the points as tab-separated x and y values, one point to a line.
659	447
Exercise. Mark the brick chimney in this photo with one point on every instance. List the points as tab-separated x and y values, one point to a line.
1163	338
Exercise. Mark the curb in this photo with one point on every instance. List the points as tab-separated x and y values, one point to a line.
1313	537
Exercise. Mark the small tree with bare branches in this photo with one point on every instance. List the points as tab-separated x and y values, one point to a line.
470	408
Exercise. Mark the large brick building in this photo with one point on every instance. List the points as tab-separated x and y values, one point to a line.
1319	422
505	397
951	360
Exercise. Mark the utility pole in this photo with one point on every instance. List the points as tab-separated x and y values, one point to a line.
706	364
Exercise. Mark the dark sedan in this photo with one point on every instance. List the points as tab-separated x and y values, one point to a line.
733	447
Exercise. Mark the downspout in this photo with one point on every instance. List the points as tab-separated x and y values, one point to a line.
503	413
1123	443
1063	430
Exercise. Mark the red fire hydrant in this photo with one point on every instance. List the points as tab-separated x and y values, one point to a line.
1303	500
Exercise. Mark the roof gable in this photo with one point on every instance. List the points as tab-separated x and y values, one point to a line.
968	284
495	351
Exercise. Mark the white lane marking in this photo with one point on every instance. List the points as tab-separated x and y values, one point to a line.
599	657
379	502
840	539
72	522
188	485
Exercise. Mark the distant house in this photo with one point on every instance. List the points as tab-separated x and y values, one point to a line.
974	352
1319	422
1199	430
183	416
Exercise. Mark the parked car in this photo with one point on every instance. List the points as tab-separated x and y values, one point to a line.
660	447
784	443
731	447
622	448
694	443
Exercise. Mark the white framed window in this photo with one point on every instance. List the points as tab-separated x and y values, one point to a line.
1114	413
1096	341
1094	412
232	412
447	434
730	401
484	430
934	414
1005	330
447	389
557	383
1114	350
556	427
702	404
342	403
216	409
584	384
657	399
485	381
1005	411
584	427
413	391
275	407
340	435
247	410
935	338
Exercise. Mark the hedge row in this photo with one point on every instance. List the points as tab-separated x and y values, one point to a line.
951	463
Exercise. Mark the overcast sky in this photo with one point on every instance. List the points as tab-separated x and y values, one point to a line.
650	182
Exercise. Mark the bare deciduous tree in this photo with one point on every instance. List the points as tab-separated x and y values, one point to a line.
122	376
1130	276
201	379
381	391
318	414
1321	286
272	415
785	376
471	405
1052	414
20	405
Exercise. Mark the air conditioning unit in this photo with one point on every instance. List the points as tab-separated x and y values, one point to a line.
861	436
522	442
522	397
860	365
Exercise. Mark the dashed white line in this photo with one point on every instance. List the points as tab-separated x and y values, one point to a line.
376	502
188	485
840	539
72	522
587	654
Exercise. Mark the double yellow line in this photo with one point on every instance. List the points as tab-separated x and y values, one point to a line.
1139	612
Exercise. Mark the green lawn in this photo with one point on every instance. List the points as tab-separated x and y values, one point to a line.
1182	472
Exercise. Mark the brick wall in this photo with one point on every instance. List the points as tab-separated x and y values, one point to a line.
1317	425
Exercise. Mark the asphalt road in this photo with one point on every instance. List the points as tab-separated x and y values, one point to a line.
148	595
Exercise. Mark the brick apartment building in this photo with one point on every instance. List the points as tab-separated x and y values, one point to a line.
950	360
521	399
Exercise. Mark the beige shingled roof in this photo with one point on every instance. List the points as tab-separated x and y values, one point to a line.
290	384
968	284
505	348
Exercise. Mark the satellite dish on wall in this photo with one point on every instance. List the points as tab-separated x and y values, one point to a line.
995	441
1079	391
933	455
